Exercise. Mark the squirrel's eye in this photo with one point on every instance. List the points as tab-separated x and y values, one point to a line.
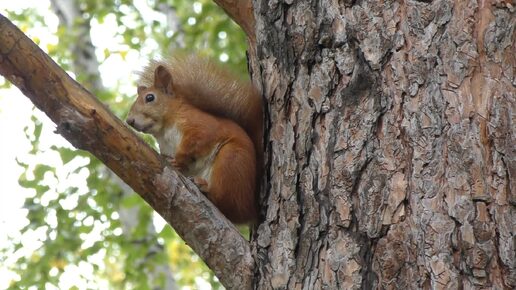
149	98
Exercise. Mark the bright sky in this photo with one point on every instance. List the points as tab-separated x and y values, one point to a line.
15	113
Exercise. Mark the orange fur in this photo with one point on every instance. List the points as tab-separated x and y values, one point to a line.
214	150
214	90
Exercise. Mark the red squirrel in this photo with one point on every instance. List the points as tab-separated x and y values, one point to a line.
209	124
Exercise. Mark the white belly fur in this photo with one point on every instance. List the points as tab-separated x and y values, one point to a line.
170	141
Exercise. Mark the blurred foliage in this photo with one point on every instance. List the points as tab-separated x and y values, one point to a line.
74	209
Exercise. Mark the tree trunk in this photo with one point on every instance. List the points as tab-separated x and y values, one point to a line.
391	144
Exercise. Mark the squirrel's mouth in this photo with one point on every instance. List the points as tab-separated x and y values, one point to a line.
140	128
145	129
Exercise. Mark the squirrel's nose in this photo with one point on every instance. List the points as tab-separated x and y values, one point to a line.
130	121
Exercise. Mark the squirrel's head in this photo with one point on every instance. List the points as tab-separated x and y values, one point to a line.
154	105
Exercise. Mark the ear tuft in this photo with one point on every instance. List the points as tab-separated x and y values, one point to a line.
163	79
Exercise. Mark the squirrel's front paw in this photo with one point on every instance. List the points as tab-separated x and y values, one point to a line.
169	159
201	183
173	162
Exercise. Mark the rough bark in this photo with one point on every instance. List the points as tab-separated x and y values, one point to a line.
390	145
88	125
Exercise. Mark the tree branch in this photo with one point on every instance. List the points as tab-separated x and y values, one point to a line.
241	11
89	125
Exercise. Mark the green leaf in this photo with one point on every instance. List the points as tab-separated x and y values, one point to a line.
131	200
66	154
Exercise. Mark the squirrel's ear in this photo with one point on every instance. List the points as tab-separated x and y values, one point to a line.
140	89
163	79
